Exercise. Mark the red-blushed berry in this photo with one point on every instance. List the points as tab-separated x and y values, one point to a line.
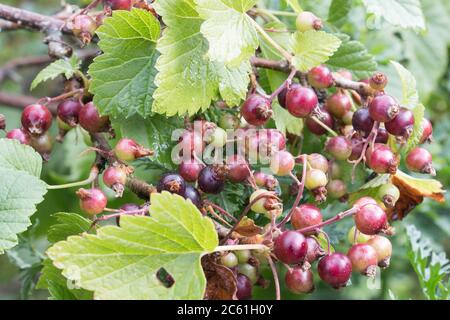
320	77
128	150
361	202
382	136
256	110
300	101
92	201
339	147
338	104
212	179
229	260
335	269
190	169
306	215
266	181
20	135
347	118
238	169
383	248
383	108
336	189
371	219
389	194
36	119
244	287
264	204
84	27
318	161
420	160
119	4
317	129
378	81
68	112
90	119
173	183
281	97
402	125
282	163
357	148
228	121
192	142
127	207
115	178
427	131
274	138
299	281
218	137
307	20
381	159
315	179
290	247
192	194
43	144
360	237
315	251
364	259
362	122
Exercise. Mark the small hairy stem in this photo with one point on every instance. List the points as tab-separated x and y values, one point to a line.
323	125
275	278
92	176
221	210
215	215
285	84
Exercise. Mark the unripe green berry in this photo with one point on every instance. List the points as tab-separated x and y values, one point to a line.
243	255
360	237
250	271
315	179
308	21
389	194
229	260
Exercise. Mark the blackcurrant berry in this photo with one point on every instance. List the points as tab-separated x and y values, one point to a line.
347	118
92	201
389	194
318	161
306	215
402	125
381	159
335	170
383	248
282	163
345	74
299	281
339	147
211	179
336	189
383	108
217	138
192	194
361	202
19	134
338	104
265	204
229	260
173	183
378	81
307	20
382	136
362	122
43	144
244	287
256	110
129	150
190	169
364	259
320	77
243	255
91	120
300	101
36	119
68	112
420	160
291	247
357	148
238	169
371	219
119	4
315	251
315	128
335	269
427	131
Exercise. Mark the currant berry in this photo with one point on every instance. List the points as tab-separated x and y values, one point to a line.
318	161
300	101
364	259
427	131
84	27
260	178
357	148
383	248
115	178
402	125
43	144
173	183
129	150
218	138
299	281
256	110
361	202
320	77
378	81
190	169
244	287
92	201
371	219
281	97
264	205
315	251
211	179
228	121
192	142
274	138
360	237
119	4
68	112
282	163
238	169
192	194
308	21
381	159
339	147
19	134
336	189
36	119
383	108
389	194
420	160
306	215
249	271
382	136
315	128
229	260
362	122
338	104
335	170
90	119
335	269
315	179
243	255
291	247
345	74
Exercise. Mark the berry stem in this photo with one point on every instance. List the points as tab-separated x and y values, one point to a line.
221	210
240	247
277	13
61	97
336	218
275	277
215	215
323	125
92	176
285	84
267	13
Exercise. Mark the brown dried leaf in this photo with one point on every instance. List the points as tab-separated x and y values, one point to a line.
220	281
248	228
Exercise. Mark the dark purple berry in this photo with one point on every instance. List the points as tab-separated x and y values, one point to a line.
211	179
173	183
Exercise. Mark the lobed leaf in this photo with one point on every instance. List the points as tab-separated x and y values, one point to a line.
66	67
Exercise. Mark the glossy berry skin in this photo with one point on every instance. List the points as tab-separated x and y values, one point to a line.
244	287
250	271
306	215
281	97
229	260
336	189
243	255
361	202
36	119
282	163
119	4
320	77
43	144
362	122
299	281
92	201
172	183
19	134
315	251
315	179
364	259
264	203
339	147
381	159
300	101
190	169
370	219
427	133
192	194
389	194
274	138
420	160
68	112
291	247
382	136
347	118
316	128
402	125
84	26
114	175
318	161
210	180
90	119
256	110
307	21
383	248
335	269
128	150
383	108
357	148
238	169
338	104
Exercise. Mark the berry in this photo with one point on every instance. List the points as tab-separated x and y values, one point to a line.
427	131
84	27
211	179
338	104
238	169
256	110
263	205
315	128
229	260
363	258
228	121
383	108
381	159
357	148
173	183
315	251
299	281
115	178
339	147
68	112
190	169
282	163
308	21
127	207
382	136
335	170
315	179
336	189
119	4
244	287
274	138
306	215
19	134
335	269
129	150
43	144
91	120
378	81
218	138
192	194
361	202
360	237
191	142
320	77
92	201
362	122
318	161
402	125
420	160
36	119
282	97
249	271
383	248
347	118
389	194
300	101
291	247
243	255
371	219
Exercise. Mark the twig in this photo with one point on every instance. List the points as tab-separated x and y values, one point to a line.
275	278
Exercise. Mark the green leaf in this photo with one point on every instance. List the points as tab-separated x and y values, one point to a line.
370	189
67	67
14	155
230	31
123	76
353	56
123	262
68	224
312	48
414	139
338	12
20	192
294	5
187	80
285	122
410	96
402	13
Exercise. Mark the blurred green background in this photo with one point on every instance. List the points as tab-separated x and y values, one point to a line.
425	55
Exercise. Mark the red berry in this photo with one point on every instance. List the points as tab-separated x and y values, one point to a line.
190	169
129	150
244	287
381	159
91	120
361	202
315	251
84	27
363	258
318	161
92	201
420	160
371	219
172	183
402	124
115	178
336	189
335	269
315	179
36	119
282	163
19	134
274	138
119	4
299	281
238	169
211	179
256	110
362	122
192	194
383	248
378	81
338	104
315	128
301	101
345	74
291	247
306	215
383	108
357	148
427	133
339	147
320	77
68	112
